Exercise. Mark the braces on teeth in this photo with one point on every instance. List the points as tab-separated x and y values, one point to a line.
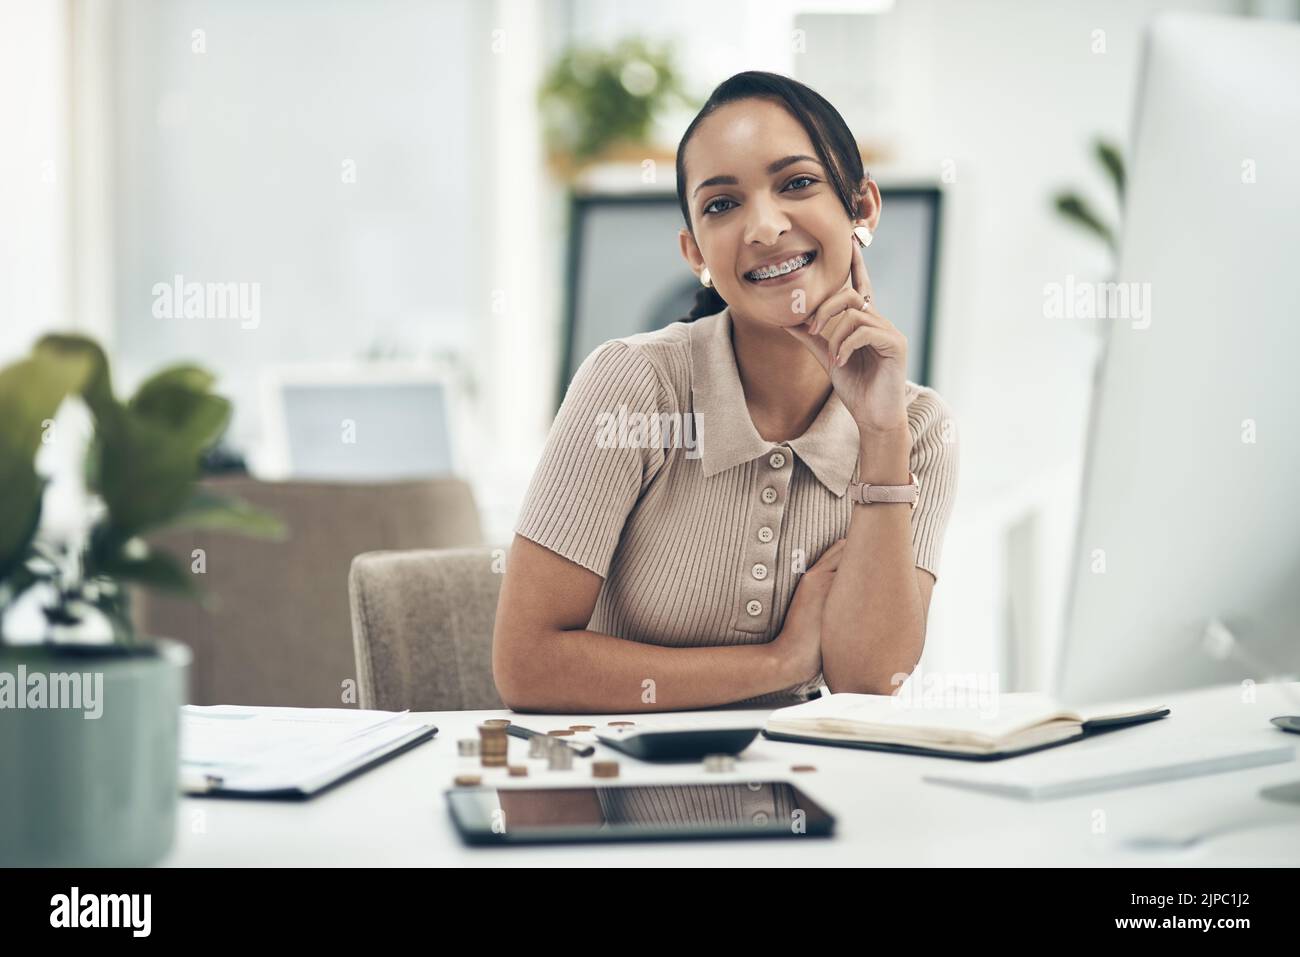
790	265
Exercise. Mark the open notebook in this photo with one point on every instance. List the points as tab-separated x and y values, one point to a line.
1002	726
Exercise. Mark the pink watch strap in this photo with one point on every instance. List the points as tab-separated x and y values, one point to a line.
863	493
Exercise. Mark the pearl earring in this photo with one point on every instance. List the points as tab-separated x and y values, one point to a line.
863	235
705	278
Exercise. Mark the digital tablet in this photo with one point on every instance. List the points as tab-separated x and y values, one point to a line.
641	812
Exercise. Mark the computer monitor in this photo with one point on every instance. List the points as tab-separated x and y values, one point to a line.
626	273
1186	567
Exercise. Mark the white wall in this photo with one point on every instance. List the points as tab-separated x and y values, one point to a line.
230	167
35	174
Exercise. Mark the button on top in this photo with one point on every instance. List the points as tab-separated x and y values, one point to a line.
769	495
765	534
760	571
777	460
754	606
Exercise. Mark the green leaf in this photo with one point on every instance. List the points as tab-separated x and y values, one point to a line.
156	569
171	398
146	475
149	460
97	386
205	510
31	392
1109	156
1074	208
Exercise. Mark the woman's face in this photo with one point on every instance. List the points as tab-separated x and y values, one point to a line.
752	205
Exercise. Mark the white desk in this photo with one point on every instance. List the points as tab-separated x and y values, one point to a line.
396	814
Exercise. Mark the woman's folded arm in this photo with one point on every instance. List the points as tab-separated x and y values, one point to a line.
544	659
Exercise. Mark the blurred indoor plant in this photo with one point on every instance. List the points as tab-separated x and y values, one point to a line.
1075	209
600	104
1079	211
81	788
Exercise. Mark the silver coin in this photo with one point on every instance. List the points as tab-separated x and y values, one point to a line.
719	762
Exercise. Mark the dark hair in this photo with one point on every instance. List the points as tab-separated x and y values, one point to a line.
830	135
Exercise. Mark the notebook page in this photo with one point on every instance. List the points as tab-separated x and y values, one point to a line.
856	714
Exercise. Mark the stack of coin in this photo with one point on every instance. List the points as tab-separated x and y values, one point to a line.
539	745
719	762
560	757
518	770
498	722
604	769
493	743
467	747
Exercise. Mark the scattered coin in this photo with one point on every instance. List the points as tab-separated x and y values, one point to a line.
519	770
604	769
621	724
719	762
468	780
582	727
560	732
468	747
802	767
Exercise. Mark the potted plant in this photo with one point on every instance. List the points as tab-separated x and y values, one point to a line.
600	105
89	710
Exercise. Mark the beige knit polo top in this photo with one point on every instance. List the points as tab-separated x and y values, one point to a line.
654	477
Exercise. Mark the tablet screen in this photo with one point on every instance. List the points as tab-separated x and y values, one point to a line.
637	812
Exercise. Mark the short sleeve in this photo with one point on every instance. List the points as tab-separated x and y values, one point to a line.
934	460
598	459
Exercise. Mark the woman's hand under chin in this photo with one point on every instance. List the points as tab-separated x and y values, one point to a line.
862	351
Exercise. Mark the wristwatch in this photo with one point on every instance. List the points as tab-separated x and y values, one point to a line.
861	493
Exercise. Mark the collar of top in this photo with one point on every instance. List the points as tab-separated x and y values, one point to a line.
726	433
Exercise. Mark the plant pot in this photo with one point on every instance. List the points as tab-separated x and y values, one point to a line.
85	791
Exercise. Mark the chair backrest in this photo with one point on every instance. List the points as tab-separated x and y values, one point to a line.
278	629
422	628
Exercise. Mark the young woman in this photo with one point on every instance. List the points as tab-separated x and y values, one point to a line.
742	567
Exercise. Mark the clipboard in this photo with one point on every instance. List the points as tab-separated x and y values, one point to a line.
317	772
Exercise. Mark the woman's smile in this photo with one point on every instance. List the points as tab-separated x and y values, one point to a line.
782	272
